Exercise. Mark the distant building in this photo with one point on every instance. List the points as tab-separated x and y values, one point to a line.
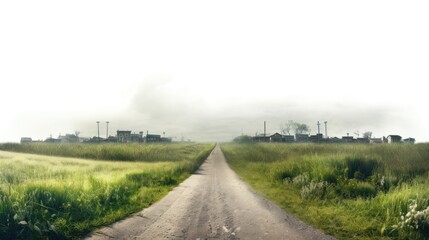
52	140
136	137
375	140
334	140
123	136
276	137
362	140
409	140
301	137
153	138
261	138
94	139
111	139
288	138
394	139
26	140
69	138
347	139
166	140
316	138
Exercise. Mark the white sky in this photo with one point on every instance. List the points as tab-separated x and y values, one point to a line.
207	70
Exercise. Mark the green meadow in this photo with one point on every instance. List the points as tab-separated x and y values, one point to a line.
348	191
63	191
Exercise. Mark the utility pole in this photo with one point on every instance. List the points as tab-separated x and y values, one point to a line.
107	130
318	127
98	130
326	129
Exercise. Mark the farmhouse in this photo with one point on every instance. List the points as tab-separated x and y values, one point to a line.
26	140
316	138
347	139
69	138
375	140
136	137
409	140
362	140
111	139
261	138
334	140
153	138
276	137
288	138
301	137
52	140
123	136
394	139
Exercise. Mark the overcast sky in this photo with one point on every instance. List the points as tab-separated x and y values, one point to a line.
211	70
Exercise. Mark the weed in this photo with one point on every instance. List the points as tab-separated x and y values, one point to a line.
48	197
350	191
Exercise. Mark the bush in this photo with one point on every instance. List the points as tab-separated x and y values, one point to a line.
314	190
360	168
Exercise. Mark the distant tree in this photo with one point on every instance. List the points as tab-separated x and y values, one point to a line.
367	134
301	128
287	127
243	139
298	128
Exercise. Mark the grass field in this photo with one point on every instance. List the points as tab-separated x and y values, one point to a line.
349	191
64	198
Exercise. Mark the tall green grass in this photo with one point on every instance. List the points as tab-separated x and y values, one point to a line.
108	151
350	191
64	198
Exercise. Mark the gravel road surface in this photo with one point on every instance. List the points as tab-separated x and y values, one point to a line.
211	204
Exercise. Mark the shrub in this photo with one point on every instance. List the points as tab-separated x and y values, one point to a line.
360	168
301	180
314	190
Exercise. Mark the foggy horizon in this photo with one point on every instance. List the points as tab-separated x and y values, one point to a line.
211	71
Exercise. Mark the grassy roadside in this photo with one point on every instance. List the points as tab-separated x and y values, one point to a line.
64	198
348	191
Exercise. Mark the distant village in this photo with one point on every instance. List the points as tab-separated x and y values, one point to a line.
323	138
122	136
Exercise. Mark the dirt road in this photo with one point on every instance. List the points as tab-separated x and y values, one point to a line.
212	203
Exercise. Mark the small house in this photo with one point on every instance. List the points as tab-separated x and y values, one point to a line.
111	139
394	139
52	140
288	138
347	139
166	140
375	140
409	140
261	138
362	140
334	140
153	138
123	136
26	140
316	138
301	137
136	137
69	138
276	137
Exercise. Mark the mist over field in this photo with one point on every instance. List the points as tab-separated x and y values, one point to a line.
212	71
